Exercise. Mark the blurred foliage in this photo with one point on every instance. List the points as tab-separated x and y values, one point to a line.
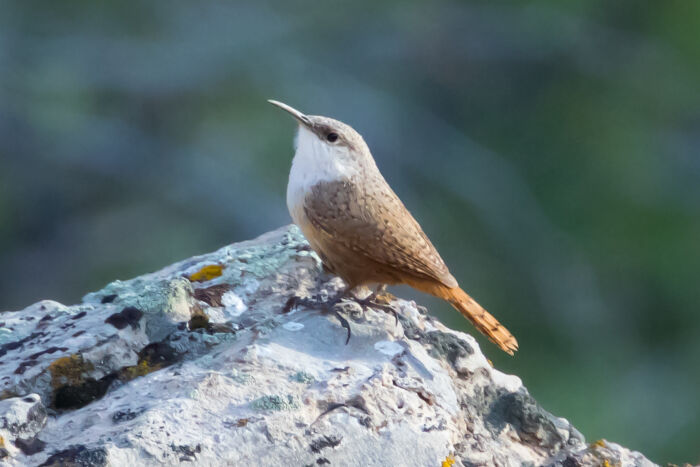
550	149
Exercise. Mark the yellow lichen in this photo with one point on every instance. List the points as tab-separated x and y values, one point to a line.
144	367
448	462
606	463
141	369
207	273
2	442
70	370
598	444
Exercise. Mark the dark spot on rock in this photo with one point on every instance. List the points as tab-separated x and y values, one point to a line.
46	318
449	346
79	315
571	461
365	421
77	456
30	446
322	460
129	316
16	344
79	333
50	350
199	320
214	328
153	357
524	414
108	298
159	353
325	442
24	365
212	295
188	453
290	304
29	399
13	345
4	453
125	415
410	329
74	397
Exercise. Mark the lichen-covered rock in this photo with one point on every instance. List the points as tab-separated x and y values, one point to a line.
225	359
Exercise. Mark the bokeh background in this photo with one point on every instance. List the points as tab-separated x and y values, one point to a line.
550	149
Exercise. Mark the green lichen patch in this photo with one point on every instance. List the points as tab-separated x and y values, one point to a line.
302	377
275	403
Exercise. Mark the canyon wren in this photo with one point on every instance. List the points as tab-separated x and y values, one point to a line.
358	226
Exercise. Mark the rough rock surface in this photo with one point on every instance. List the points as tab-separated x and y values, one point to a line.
216	360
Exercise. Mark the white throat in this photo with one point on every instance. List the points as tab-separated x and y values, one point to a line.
314	161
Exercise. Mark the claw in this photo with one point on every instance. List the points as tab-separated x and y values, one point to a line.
344	322
369	302
314	303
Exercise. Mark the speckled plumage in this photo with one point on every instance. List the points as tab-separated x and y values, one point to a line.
360	228
366	235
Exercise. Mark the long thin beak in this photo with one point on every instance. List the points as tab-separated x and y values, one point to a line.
303	119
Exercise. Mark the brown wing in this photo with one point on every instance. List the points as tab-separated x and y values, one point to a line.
372	221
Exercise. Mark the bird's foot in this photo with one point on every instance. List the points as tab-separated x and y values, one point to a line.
327	306
379	299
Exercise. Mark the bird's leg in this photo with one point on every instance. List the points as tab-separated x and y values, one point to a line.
327	306
380	289
370	302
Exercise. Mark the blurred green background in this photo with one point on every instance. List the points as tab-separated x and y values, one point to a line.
550	149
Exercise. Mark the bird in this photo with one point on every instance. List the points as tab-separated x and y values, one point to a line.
359	227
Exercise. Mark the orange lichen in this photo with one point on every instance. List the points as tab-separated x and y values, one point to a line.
448	462
207	273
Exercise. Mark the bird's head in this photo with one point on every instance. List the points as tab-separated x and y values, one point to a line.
323	141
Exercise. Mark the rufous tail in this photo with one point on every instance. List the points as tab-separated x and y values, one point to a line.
480	318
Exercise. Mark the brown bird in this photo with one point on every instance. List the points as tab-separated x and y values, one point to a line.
358	226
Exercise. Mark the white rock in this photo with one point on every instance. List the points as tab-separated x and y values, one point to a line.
126	382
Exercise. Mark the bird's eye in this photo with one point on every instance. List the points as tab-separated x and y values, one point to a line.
332	137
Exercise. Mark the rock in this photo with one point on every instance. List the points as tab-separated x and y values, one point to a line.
224	359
